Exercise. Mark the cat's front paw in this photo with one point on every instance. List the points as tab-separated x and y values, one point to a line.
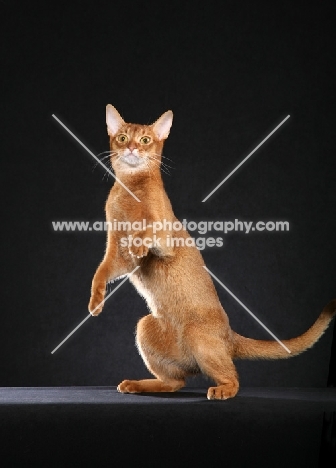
138	252
141	242
96	304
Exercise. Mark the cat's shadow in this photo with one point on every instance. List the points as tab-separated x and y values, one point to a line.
184	395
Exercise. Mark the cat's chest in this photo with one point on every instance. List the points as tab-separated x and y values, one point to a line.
152	204
146	290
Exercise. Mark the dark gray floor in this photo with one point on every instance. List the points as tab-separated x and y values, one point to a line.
97	426
324	397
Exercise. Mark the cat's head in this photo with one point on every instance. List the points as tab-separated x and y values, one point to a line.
136	147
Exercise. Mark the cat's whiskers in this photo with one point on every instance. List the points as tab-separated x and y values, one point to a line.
166	171
103	152
109	169
164	167
110	153
107	174
162	156
161	162
149	169
108	156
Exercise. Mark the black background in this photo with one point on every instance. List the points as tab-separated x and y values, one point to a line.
230	75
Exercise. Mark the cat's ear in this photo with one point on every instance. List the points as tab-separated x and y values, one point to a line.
162	126
113	120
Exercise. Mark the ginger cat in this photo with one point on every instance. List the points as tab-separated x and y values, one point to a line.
187	331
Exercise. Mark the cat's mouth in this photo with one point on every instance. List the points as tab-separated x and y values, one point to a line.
132	160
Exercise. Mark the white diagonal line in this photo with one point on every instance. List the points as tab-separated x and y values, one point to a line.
95	157
245	159
90	315
248	310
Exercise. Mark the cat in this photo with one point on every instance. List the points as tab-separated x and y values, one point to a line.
187	331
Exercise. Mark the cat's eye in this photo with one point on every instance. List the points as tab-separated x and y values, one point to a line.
145	140
122	138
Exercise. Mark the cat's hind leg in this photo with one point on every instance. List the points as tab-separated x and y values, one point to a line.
214	360
159	349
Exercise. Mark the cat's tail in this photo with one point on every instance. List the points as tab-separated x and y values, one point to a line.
247	348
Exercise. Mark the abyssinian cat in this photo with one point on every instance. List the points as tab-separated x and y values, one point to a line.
187	331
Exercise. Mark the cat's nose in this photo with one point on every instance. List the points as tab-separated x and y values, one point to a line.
131	147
